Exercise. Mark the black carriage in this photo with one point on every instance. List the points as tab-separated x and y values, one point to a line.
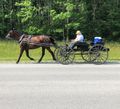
94	52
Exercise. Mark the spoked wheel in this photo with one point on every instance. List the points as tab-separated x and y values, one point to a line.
56	51
98	54
65	56
85	56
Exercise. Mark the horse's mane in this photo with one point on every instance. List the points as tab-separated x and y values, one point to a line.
20	33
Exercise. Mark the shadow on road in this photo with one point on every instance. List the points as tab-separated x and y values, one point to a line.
76	62
106	63
81	62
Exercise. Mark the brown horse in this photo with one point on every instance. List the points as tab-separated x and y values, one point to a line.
32	42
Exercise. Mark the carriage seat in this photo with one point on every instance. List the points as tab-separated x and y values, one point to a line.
82	46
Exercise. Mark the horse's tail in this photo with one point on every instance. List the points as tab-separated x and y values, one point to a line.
53	41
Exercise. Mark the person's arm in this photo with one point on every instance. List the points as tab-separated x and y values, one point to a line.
76	39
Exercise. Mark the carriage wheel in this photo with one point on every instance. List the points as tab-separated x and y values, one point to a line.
85	56
65	56
98	54
56	51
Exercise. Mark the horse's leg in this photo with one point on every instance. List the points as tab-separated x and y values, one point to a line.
51	52
27	54
21	52
43	53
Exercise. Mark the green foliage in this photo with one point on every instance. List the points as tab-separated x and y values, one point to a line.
27	14
27	11
69	6
32	30
62	18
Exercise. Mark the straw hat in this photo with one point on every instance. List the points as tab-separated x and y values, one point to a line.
78	32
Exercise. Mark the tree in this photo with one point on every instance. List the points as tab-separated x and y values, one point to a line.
62	18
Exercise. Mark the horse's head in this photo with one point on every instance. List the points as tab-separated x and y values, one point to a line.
13	34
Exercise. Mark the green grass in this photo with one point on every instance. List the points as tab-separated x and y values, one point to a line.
9	51
114	53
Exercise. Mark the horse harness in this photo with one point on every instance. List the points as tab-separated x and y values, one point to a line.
25	39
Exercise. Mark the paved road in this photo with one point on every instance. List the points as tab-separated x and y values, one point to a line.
55	86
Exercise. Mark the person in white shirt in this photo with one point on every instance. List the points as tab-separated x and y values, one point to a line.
79	38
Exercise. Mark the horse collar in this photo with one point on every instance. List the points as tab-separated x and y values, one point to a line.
30	36
25	36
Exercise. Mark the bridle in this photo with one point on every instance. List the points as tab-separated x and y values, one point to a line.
13	34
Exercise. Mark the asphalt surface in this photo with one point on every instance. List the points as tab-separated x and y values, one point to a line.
56	86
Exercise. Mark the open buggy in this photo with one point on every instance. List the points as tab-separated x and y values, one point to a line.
94	52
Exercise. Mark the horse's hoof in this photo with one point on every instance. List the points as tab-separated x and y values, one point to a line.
32	59
38	62
54	59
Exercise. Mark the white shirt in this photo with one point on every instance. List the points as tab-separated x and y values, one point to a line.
80	38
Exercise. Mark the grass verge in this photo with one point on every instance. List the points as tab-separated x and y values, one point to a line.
9	51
